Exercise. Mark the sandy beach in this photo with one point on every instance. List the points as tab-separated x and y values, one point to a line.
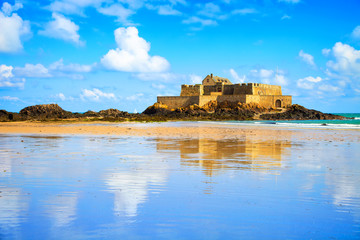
208	130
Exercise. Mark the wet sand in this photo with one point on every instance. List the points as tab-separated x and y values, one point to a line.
209	130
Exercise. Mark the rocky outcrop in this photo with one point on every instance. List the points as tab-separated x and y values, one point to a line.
160	112
45	111
298	112
113	113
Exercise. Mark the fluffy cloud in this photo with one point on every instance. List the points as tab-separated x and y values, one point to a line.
329	88
59	66
307	58
356	33
268	76
73	7
164	9
62	28
346	60
201	21
8	98
12	28
236	77
56	69
195	79
209	10
95	95
132	54
31	70
135	97
117	10
7	78
308	82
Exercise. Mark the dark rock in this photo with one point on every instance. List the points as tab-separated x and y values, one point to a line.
298	112
45	111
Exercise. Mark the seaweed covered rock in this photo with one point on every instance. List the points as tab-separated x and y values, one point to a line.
113	113
157	108
45	111
298	112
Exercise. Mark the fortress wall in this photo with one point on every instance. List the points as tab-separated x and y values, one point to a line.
243	88
176	102
270	100
206	98
210	88
228	90
252	98
192	90
232	98
266	89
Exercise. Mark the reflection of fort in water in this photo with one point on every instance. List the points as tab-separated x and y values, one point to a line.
216	155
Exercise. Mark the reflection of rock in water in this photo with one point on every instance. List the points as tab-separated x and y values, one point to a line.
131	188
216	155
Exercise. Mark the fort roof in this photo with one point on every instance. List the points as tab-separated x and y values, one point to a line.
221	79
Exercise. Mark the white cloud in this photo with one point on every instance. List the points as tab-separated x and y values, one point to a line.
236	77
95	95
7	8
168	10
285	17
73	7
62	28
117	10
307	58
135	97
195	79
158	86
290	1
61	96
70	68
12	28
7	78
326	52
244	11
308	82
328	88
201	21
8	98
356	33
132	54
209	9
268	76
346	60
31	70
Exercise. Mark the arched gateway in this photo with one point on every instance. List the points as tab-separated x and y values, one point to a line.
278	103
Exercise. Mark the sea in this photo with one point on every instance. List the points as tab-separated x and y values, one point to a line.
353	123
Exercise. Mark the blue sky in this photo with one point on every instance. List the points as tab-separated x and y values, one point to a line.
100	54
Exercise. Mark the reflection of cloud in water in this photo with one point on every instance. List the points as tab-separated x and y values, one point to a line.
131	187
13	205
5	162
62	208
216	155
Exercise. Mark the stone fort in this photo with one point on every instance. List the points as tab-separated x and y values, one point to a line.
214	88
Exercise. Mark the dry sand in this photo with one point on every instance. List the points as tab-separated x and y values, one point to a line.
179	129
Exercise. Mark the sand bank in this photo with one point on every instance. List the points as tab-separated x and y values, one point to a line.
177	129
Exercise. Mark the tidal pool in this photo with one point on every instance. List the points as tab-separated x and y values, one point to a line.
108	187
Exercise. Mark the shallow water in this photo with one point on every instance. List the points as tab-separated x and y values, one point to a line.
94	187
